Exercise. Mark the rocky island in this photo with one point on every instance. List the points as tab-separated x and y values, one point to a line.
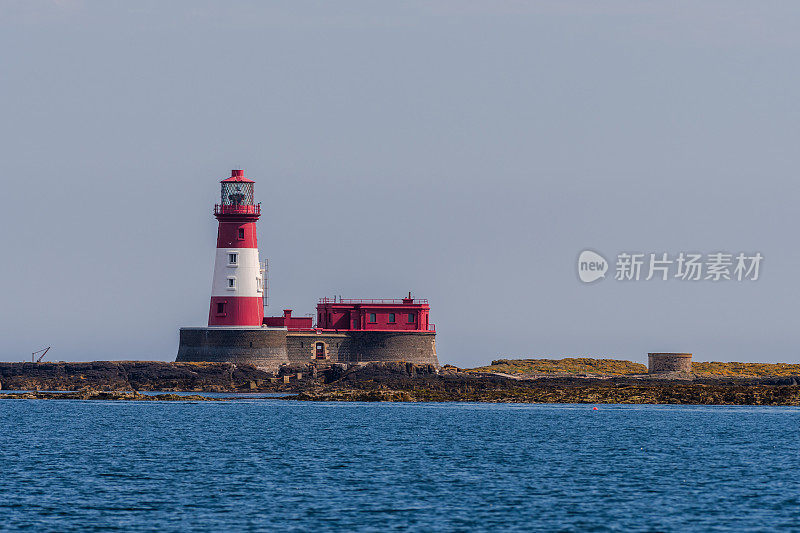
573	380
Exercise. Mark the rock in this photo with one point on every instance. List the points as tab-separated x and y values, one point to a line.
130	375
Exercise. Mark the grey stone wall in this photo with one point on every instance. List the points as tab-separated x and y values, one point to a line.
365	346
411	347
260	347
660	363
301	346
267	348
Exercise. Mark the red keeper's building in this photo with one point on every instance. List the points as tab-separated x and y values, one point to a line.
407	314
342	314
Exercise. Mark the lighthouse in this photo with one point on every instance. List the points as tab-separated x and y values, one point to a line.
347	331
238	285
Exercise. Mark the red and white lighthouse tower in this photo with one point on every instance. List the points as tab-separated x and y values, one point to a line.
238	286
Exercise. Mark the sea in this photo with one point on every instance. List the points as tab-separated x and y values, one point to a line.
272	464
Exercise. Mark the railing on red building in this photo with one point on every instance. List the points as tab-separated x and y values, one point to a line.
237	209
371	301
431	327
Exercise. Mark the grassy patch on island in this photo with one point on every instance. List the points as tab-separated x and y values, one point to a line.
569	365
734	369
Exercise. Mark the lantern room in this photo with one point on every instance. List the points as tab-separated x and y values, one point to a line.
236	195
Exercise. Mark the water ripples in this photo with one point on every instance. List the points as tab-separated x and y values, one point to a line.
265	465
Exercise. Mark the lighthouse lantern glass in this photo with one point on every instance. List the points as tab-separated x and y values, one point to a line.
237	193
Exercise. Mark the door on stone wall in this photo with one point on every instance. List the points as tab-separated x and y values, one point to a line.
319	350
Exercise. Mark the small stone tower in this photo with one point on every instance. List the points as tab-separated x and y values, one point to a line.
666	362
238	285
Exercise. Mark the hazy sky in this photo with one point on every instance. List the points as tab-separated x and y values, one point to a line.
464	150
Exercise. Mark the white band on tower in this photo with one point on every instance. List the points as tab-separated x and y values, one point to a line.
240	265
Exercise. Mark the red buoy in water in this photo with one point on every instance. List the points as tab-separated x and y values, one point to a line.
594	408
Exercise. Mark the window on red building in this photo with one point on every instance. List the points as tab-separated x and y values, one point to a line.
241	233
391	318
373	318
410	318
220	308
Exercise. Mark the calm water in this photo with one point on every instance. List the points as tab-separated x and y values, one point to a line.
261	465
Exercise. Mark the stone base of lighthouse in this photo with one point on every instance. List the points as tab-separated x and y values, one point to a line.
268	348
262	347
363	346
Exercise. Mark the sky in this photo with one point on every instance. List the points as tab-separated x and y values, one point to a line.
464	150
